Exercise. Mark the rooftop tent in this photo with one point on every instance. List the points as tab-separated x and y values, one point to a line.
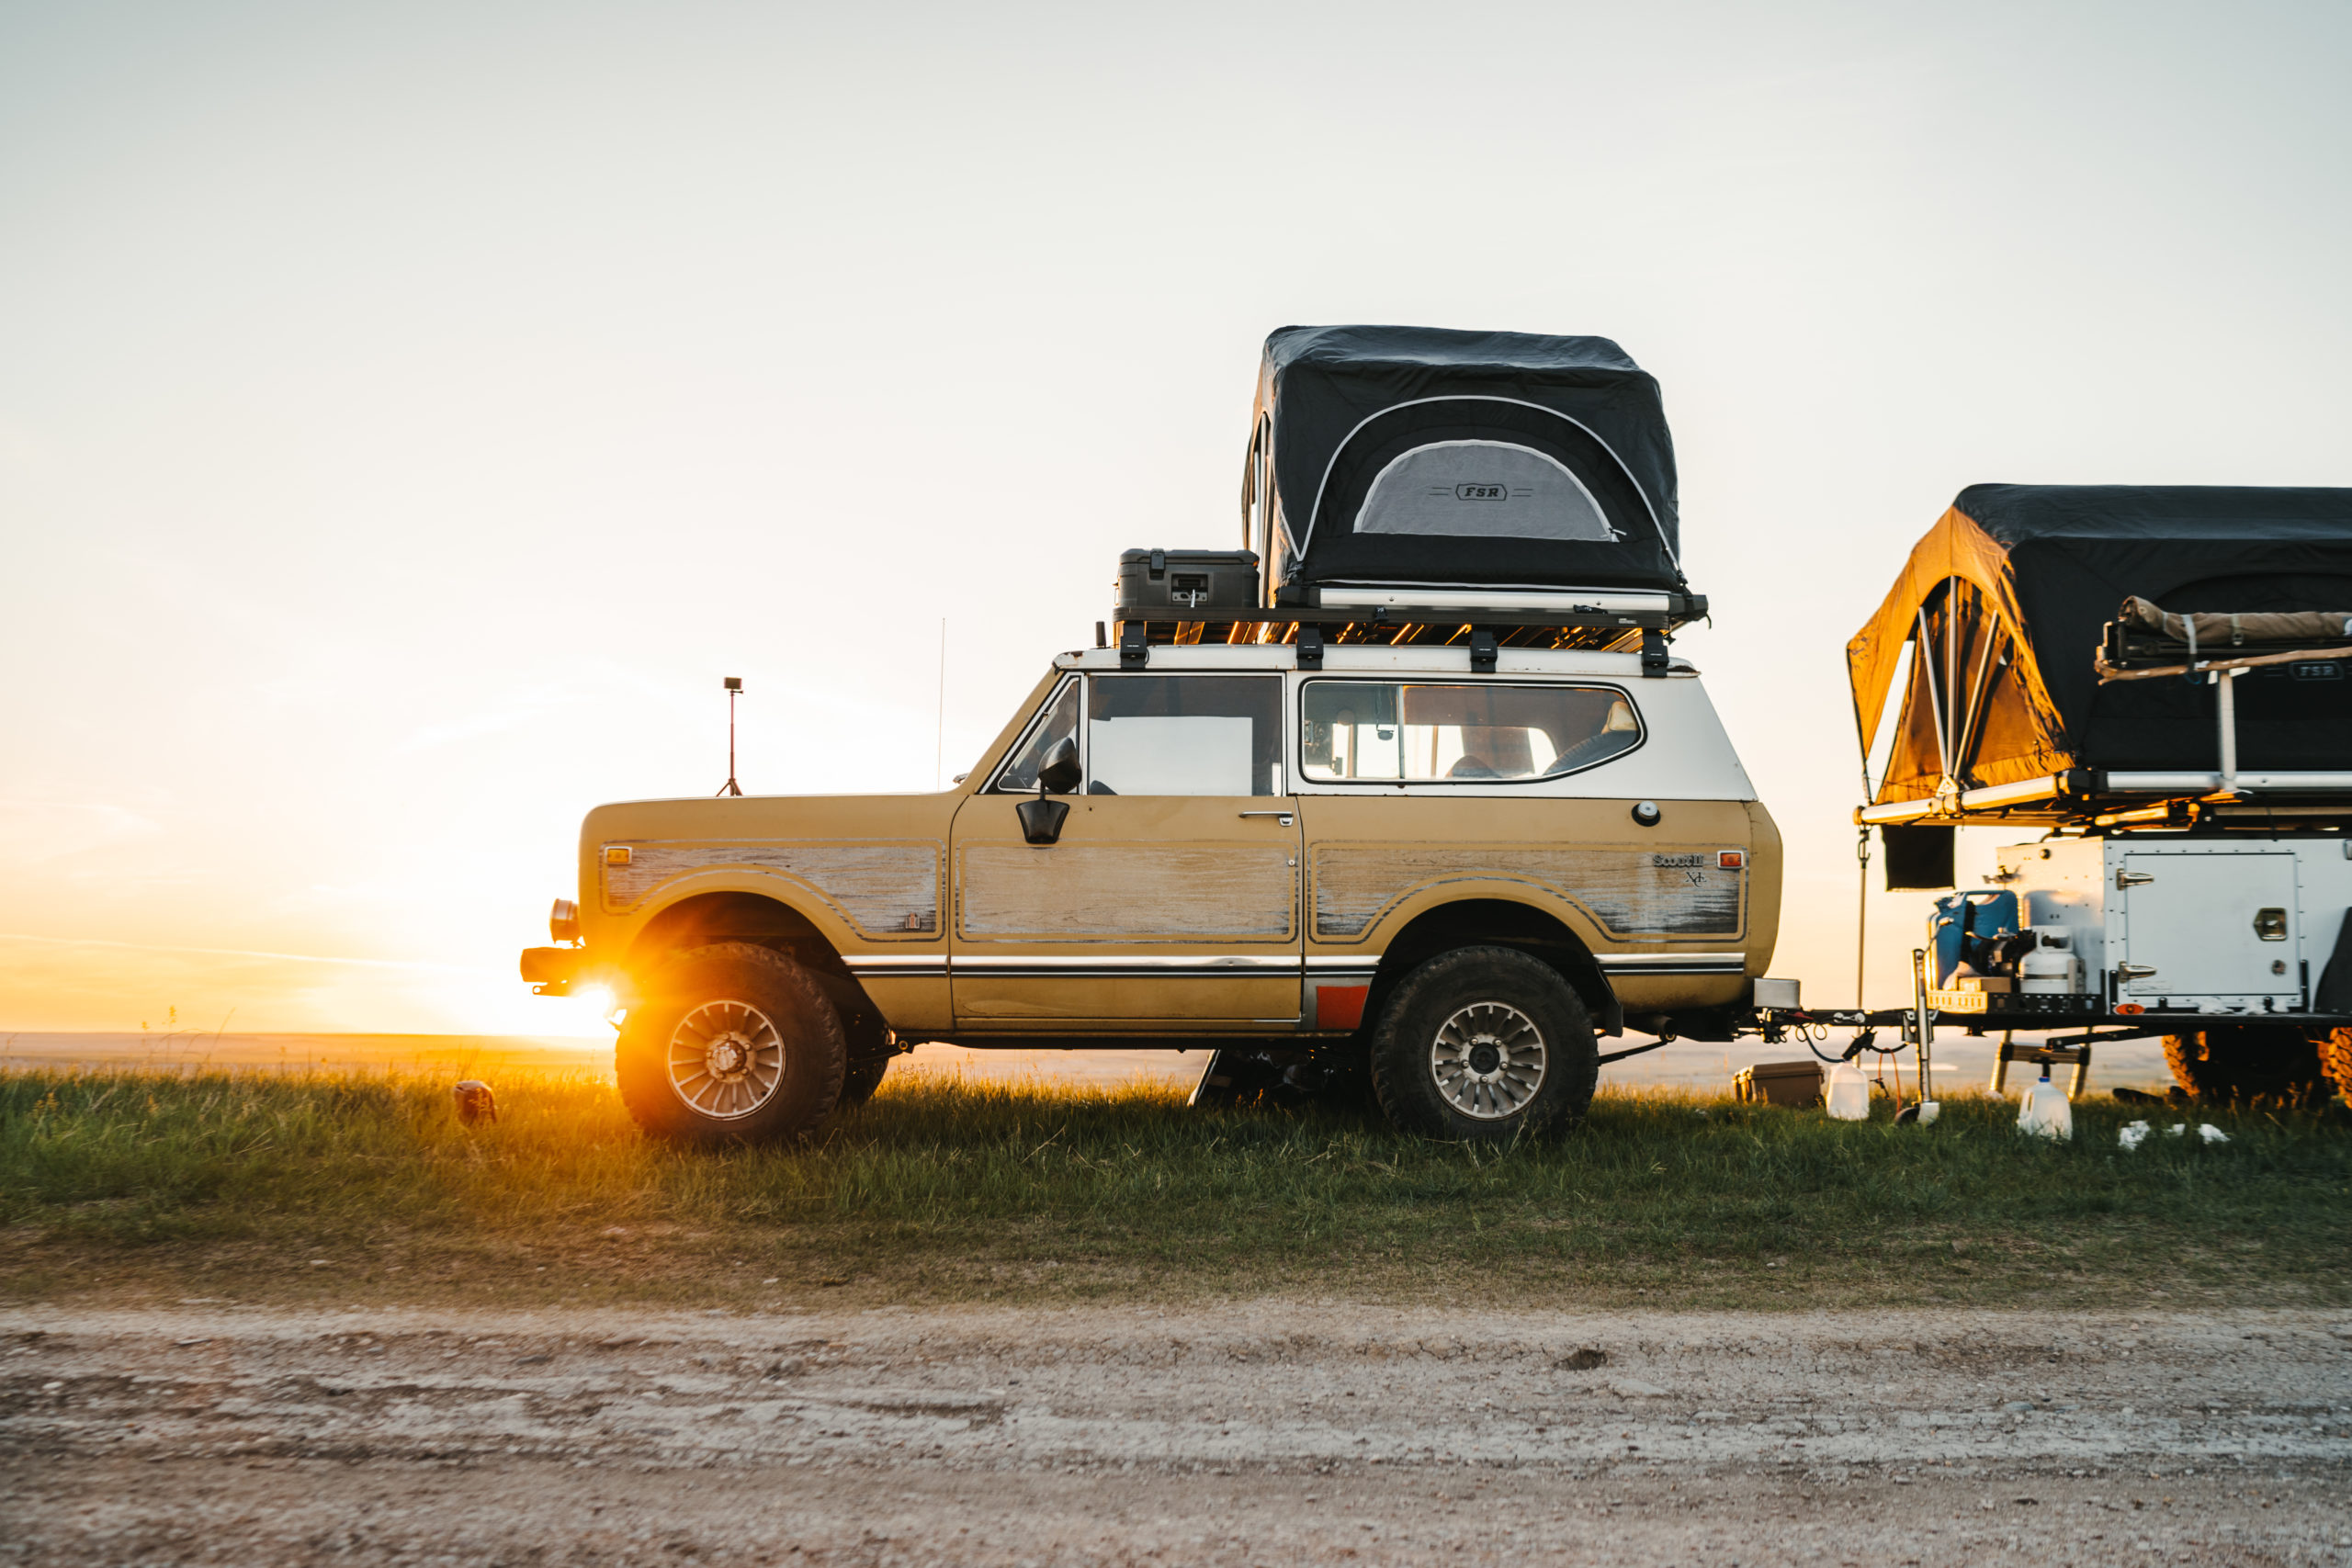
2004	602
1419	458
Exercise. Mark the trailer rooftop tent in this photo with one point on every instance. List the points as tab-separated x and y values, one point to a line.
2019	683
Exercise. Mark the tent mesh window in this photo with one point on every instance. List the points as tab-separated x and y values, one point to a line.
1482	490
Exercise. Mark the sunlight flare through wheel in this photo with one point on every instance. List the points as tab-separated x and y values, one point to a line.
1489	1060
726	1059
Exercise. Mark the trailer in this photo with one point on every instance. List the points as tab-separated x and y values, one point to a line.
2157	681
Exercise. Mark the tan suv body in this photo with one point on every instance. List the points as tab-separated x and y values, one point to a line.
1253	852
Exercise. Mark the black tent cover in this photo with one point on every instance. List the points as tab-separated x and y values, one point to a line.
2048	566
1419	456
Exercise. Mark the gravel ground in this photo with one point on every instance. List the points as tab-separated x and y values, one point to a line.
1273	1432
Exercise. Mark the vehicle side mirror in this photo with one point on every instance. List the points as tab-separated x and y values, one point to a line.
1041	819
1060	773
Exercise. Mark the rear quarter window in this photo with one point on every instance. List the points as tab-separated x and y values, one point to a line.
1417	732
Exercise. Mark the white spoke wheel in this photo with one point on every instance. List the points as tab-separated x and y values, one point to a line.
1489	1060
731	1043
726	1059
1483	1042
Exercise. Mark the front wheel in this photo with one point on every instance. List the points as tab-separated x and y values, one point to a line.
731	1043
1483	1043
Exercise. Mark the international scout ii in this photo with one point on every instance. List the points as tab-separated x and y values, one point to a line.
1431	796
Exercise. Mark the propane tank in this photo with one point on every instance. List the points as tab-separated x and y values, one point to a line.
2052	968
2043	1113
1846	1096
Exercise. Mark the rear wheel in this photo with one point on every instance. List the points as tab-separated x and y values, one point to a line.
2250	1061
1483	1043
731	1043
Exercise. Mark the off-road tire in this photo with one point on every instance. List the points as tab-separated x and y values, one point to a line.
2247	1062
1477	983
803	1023
2336	1059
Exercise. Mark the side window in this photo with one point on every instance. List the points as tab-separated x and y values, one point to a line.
1368	729
1019	775
1183	734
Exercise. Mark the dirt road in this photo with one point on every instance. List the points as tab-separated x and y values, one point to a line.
1268	1432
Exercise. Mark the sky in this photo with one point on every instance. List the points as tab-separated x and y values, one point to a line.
409	412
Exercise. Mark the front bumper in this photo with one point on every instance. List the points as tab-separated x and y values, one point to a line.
553	971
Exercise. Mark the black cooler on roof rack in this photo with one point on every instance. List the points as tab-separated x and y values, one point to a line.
1437	467
1164	581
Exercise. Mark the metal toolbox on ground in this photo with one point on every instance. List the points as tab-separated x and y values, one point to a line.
1779	1083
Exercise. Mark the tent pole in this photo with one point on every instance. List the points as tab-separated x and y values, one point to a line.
1926	660
1861	897
1951	678
2226	711
1968	725
1862	857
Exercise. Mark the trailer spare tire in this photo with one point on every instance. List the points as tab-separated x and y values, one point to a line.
731	1042
1483	1044
2247	1061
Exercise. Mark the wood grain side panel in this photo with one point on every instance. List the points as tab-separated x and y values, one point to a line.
1074	892
1628	892
881	889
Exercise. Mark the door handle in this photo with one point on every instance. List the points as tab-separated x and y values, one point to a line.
2131	879
1287	817
2134	971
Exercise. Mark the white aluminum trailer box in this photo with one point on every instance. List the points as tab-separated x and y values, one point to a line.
2211	925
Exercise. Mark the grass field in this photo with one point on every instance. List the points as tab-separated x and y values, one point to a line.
125	1187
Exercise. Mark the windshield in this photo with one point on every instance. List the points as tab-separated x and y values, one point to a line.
1019	775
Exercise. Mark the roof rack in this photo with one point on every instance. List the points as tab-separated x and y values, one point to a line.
1484	628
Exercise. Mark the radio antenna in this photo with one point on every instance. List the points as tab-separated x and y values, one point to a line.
734	684
939	733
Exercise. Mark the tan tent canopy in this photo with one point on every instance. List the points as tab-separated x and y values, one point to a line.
1957	601
1999	611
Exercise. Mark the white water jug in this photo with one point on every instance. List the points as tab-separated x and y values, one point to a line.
1847	1094
2042	1110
